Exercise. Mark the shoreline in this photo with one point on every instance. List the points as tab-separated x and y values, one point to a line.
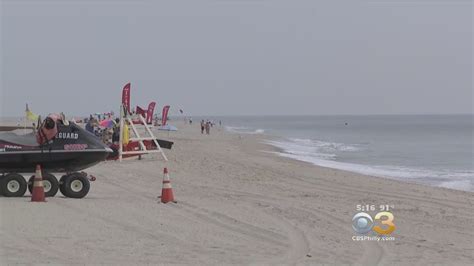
280	152
234	198
274	151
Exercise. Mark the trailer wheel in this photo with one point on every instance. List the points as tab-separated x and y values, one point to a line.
13	185
50	184
61	184
74	185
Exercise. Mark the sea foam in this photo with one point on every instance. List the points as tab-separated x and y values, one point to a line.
323	154
244	130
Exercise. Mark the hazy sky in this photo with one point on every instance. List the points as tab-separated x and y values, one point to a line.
238	57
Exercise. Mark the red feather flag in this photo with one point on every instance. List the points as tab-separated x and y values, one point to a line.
126	97
164	115
149	114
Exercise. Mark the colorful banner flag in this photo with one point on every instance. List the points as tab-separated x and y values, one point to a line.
149	114
126	97
164	115
30	115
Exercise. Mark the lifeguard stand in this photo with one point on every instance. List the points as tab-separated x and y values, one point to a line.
127	118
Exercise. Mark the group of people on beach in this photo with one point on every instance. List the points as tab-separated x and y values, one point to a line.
108	135
207	125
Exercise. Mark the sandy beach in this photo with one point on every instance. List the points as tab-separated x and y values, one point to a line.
238	203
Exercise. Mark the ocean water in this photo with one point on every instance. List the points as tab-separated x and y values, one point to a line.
431	149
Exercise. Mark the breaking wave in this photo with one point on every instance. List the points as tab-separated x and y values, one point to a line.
325	154
244	130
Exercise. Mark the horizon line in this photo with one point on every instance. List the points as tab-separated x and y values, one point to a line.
287	115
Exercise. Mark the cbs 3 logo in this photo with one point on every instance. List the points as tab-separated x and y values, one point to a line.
363	223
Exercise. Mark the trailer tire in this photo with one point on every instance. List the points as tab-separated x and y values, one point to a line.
74	185
13	185
50	184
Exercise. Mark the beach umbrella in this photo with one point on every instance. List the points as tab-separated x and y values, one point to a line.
107	123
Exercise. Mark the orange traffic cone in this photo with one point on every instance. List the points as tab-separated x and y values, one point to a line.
37	195
167	191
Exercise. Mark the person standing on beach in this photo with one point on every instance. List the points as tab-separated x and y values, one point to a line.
208	127
91	124
202	126
116	132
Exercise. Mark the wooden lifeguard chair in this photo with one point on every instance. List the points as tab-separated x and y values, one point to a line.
149	136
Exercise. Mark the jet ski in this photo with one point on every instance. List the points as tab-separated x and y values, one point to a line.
58	146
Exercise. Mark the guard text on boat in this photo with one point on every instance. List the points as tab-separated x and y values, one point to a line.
67	135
